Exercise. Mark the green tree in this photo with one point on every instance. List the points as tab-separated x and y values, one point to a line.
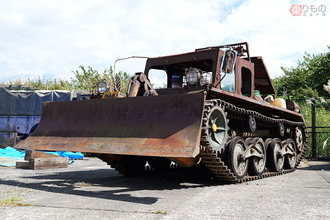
327	87
87	78
109	76
38	83
307	79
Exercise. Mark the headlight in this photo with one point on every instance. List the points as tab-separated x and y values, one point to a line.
206	78
102	87
193	76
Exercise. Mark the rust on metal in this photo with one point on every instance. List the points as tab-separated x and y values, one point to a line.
165	126
198	122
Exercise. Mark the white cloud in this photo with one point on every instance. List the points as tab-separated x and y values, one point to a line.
52	38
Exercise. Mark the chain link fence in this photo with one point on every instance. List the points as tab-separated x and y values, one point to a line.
316	113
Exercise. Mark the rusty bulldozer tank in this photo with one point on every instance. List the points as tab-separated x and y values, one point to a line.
218	109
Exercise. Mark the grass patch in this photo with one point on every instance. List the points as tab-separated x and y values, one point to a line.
161	212
305	161
12	201
81	184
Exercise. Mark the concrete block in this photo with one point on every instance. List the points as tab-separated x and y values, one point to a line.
48	163
30	154
23	164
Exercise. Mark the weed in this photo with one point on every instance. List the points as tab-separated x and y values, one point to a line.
12	201
305	161
161	212
81	184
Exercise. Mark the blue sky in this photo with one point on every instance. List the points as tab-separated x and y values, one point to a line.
50	39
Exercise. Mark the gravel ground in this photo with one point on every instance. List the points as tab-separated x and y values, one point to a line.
90	189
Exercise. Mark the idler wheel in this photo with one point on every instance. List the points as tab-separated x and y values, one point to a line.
217	128
299	138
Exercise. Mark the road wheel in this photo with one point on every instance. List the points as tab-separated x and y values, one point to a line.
290	160
236	161
159	164
258	164
133	165
275	157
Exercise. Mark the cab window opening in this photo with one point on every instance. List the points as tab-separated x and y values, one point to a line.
228	82
246	81
174	75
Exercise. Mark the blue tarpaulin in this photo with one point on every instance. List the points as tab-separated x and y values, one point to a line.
10	154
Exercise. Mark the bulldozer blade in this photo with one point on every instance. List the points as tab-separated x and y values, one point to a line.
162	126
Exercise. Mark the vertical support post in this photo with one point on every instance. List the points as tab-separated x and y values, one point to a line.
313	129
15	139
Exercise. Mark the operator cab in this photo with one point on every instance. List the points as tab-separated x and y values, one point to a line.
228	69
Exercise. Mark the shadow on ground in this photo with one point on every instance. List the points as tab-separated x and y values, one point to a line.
317	166
108	184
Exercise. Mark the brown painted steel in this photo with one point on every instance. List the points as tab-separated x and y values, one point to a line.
253	104
165	126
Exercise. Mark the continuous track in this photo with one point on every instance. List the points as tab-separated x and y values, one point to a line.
212	158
